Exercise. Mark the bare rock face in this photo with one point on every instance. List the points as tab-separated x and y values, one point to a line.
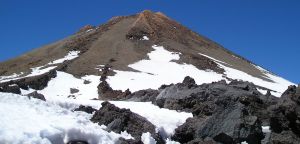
12	88
119	120
223	113
148	95
285	117
285	137
36	82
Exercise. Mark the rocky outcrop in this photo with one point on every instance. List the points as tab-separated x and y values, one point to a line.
105	92
224	113
87	109
36	82
231	122
285	117
11	88
148	95
285	137
119	120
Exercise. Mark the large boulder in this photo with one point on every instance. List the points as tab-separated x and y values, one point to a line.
224	113
105	92
285	117
232	122
119	120
285	137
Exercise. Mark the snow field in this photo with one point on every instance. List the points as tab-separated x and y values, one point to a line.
34	121
165	120
158	70
30	121
279	84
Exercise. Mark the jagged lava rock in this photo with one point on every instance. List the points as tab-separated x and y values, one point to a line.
87	109
119	120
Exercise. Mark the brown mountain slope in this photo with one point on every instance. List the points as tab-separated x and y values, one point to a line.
119	44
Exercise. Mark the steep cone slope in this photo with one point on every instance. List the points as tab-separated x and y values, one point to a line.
140	51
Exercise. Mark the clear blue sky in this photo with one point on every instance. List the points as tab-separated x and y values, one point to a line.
266	32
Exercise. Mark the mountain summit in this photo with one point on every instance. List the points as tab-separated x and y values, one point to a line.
127	44
165	84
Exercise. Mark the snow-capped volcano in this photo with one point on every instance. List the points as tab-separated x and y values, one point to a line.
143	51
146	57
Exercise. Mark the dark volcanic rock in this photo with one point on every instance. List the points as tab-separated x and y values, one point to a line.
36	82
87	109
286	114
285	137
105	92
119	120
73	90
226	113
77	142
187	132
143	95
12	88
129	141
36	95
86	82
233	124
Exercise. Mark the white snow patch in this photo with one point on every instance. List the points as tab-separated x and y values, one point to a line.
4	78
71	55
25	92
126	135
40	70
99	67
89	30
264	92
279	84
266	129
158	70
168	141
145	38
214	59
26	120
147	138
63	82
